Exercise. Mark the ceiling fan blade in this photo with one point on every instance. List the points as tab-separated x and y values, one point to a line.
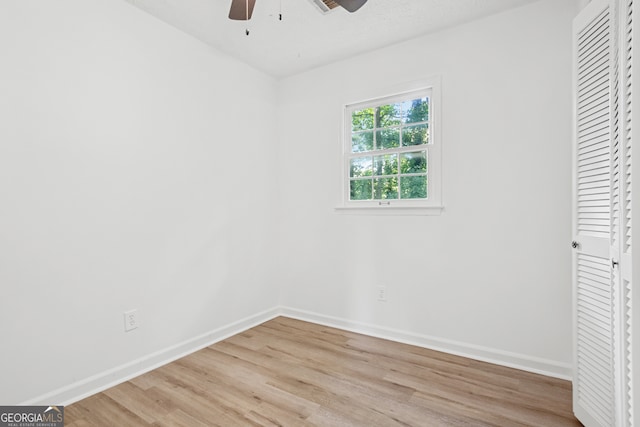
351	5
239	10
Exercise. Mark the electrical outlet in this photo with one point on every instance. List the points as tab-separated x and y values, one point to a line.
382	293
130	320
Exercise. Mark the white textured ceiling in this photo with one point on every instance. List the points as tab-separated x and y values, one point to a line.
307	38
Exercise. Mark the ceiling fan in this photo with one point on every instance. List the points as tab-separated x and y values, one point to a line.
241	10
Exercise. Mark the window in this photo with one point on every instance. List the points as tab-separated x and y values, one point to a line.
391	152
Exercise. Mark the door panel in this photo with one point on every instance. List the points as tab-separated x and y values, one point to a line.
595	82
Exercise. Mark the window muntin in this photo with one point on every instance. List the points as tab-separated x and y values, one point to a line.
387	157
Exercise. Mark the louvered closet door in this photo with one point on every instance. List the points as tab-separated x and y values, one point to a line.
622	209
594	386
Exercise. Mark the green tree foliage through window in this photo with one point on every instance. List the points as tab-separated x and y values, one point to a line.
388	161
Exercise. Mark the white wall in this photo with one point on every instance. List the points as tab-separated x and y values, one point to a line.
491	276
135	167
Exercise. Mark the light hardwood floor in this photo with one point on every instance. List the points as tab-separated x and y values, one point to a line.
292	373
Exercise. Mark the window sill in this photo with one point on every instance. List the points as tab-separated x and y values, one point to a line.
390	210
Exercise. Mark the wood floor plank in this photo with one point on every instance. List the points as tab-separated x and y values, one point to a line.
101	410
148	405
179	418
287	372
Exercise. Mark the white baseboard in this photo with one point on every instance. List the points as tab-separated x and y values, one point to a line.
523	362
104	380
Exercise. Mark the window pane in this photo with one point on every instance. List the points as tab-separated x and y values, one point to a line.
362	120
388	138
385	188
385	165
414	162
388	115
416	111
361	166
413	187
361	189
415	135
362	141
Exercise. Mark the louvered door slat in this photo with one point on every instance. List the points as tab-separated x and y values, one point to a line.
592	98
593	77
587	167
593	58
594	40
593	81
596	211
593	177
594	144
598	161
591	183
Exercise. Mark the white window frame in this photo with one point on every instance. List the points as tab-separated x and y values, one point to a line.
433	204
